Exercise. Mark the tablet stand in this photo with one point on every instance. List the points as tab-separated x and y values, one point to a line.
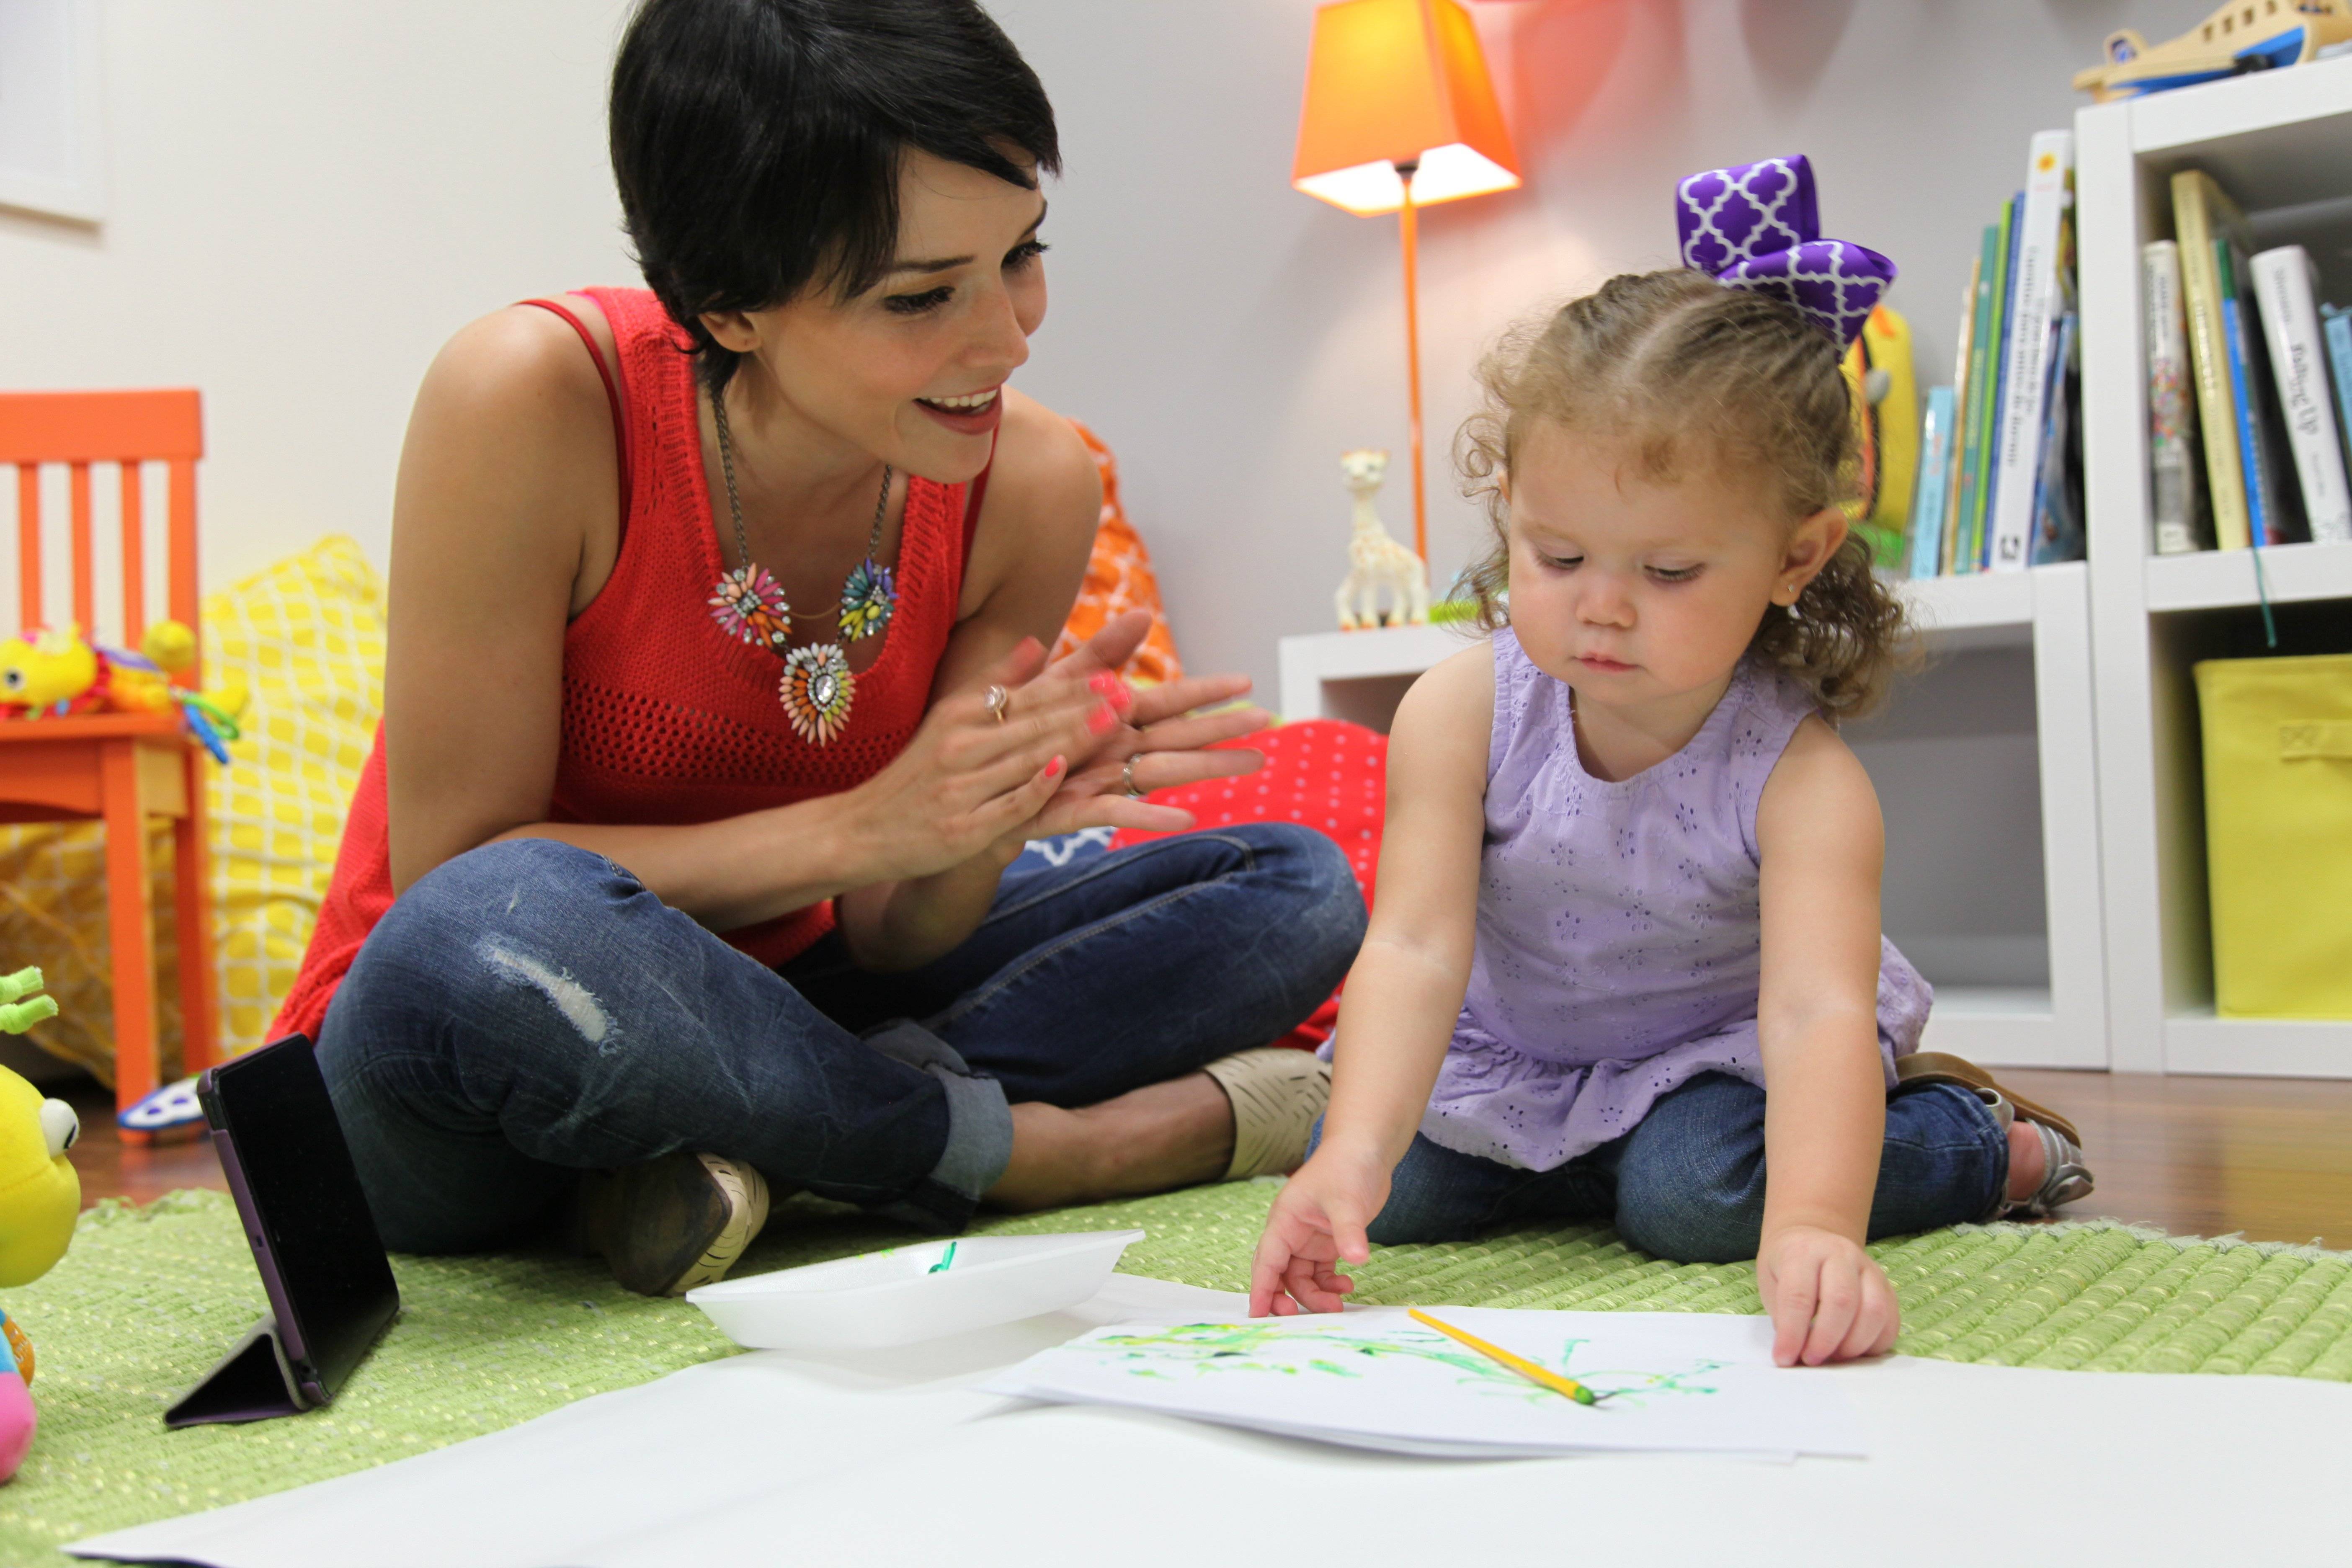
253	1382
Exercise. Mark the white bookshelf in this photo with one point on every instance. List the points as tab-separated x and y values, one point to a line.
1984	762
2278	142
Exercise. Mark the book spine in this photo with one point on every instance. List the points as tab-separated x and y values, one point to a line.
2176	489
2005	304
1961	384
1972	430
2248	416
2057	492
2282	292
2338	333
2209	358
1935	475
2024	412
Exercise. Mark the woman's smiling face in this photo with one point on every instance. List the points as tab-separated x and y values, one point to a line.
911	370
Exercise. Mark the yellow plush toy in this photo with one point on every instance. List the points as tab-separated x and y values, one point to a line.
39	1199
56	672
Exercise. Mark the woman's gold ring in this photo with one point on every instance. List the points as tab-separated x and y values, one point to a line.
998	701
1126	777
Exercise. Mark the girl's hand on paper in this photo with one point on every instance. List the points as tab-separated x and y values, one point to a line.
1829	1299
1318	1222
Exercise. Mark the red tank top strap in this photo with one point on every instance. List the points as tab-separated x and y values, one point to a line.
612	396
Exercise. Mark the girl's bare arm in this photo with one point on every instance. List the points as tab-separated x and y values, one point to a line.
1824	845
1403	991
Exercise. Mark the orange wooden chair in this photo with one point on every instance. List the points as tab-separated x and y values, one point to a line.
119	768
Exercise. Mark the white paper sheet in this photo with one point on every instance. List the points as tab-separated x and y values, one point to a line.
894	1458
1377	1379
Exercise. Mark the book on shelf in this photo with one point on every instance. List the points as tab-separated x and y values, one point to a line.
2270	504
2176	477
2038	298
2284	286
2058	532
1984	339
2200	210
1954	462
2005	304
1935	481
2336	327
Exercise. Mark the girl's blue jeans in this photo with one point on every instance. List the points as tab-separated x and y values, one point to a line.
528	1010
1688	1183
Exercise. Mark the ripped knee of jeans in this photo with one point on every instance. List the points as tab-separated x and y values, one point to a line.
575	1003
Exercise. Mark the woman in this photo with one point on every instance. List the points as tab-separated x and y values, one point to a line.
698	789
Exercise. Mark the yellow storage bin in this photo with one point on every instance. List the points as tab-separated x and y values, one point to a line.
2278	834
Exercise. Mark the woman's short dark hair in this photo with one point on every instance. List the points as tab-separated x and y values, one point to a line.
757	143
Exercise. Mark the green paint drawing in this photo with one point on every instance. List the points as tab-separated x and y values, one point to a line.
1286	1347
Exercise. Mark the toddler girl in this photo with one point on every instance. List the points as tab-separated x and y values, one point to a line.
1629	880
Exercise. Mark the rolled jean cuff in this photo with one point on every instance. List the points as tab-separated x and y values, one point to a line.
980	1129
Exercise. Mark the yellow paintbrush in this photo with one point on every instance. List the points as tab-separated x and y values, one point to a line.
1517	1363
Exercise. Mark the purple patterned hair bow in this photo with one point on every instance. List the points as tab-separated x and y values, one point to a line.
1755	227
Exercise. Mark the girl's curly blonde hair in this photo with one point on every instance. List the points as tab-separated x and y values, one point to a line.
1693	375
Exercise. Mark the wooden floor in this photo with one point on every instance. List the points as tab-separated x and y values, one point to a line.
2270	1159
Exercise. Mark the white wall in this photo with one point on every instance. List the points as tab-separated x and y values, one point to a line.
307	199
1230	338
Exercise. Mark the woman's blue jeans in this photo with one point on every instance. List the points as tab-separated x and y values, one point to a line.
1688	1183
528	1010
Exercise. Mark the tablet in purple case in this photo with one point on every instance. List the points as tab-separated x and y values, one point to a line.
331	1289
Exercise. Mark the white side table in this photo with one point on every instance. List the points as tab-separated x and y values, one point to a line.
1362	676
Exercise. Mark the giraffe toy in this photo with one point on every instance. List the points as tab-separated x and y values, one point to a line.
1374	560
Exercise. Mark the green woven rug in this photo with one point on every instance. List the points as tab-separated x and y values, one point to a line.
148	1298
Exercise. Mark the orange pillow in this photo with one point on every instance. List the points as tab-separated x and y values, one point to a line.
1119	579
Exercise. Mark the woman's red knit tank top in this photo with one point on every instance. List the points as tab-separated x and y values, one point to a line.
666	718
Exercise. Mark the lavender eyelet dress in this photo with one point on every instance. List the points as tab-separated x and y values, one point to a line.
1617	960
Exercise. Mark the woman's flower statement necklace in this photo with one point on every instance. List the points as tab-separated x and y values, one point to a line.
817	688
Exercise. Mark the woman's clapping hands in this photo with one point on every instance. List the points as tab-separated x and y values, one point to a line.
1050	757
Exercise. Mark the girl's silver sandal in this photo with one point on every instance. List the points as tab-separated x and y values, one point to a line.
2064	1178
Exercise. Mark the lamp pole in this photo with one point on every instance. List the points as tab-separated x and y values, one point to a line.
1409	229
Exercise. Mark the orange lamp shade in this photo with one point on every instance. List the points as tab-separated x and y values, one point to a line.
1399	81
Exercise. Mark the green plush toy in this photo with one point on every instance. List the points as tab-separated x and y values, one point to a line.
39	1199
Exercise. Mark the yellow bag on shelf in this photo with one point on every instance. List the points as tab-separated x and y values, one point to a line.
2278	834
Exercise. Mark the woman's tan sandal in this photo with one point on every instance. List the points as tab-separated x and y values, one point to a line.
1942	1067
669	1225
1277	1094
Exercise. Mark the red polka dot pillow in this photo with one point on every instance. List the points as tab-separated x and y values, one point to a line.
1325	774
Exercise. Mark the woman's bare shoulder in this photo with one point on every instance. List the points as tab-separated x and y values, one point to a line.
519	364
510	464
1044	503
1042	463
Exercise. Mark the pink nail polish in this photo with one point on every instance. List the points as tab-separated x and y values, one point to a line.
1101	719
1053	769
1102	685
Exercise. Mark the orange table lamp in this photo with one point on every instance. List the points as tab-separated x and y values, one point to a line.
1401	114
